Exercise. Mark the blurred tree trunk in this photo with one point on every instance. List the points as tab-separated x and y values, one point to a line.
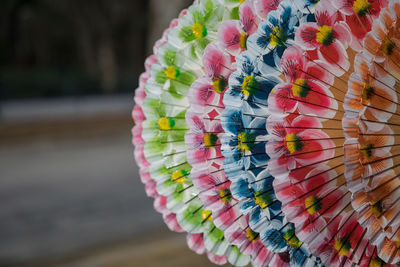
161	14
95	40
107	65
85	45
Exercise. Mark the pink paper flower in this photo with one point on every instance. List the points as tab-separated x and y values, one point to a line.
219	260
263	7
217	197
329	36
209	89
308	199
340	238
196	243
359	15
249	243
233	34
296	141
171	222
203	140
306	89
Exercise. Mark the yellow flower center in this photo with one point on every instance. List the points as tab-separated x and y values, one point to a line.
262	199
366	150
206	215
300	88
251	235
166	123
376	207
219	85
377	262
249	86
242	40
388	46
293	143
225	195
361	7
210	140
278	36
245	142
342	246
199	30
368	91
324	35
291	239
179	176
172	72
312	204
241	1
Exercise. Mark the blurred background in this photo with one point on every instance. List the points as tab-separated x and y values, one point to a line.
70	194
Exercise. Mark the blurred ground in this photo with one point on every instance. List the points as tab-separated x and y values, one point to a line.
70	194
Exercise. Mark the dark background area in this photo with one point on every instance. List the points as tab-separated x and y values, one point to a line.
70	192
69	47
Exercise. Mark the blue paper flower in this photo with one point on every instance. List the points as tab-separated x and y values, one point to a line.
277	32
244	123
